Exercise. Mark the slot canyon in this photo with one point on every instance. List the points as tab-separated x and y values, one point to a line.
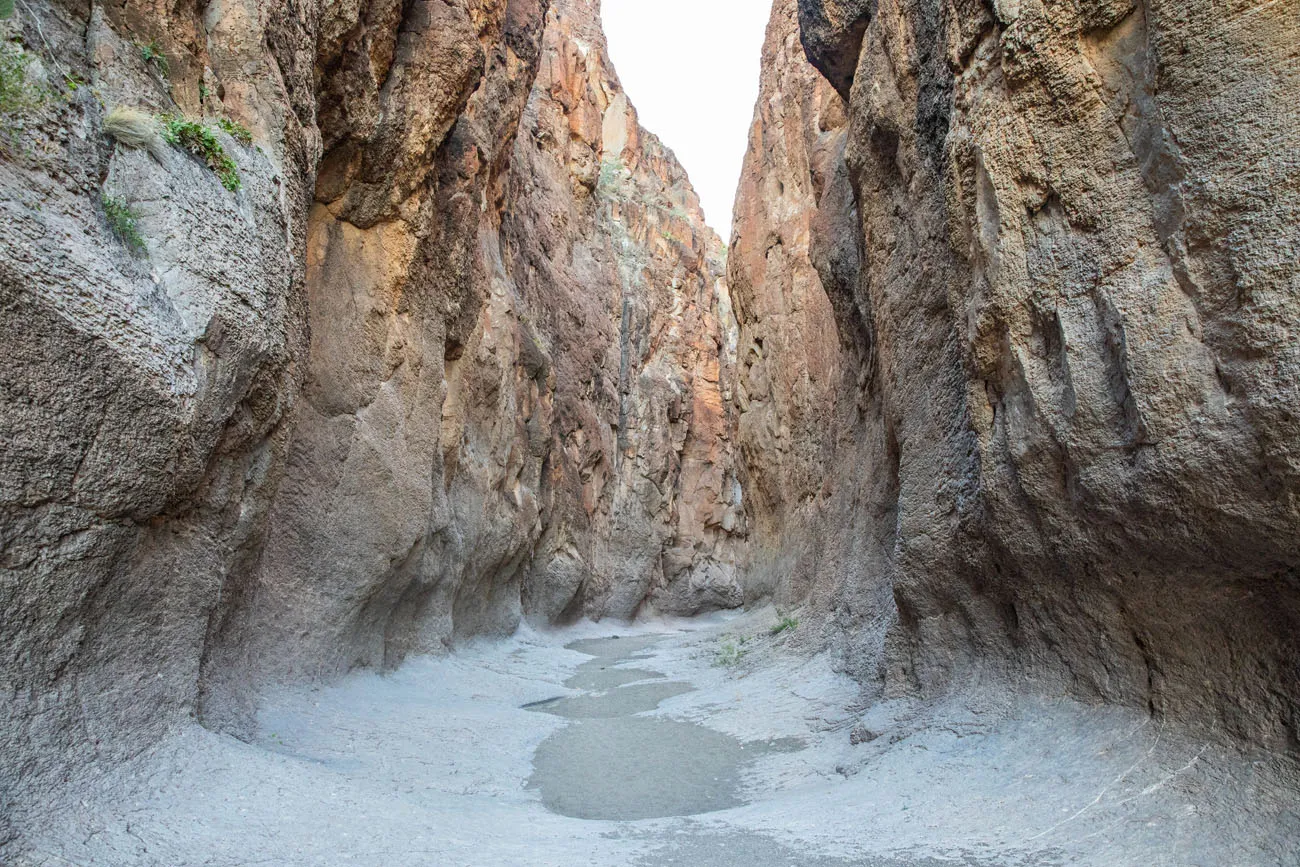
397	469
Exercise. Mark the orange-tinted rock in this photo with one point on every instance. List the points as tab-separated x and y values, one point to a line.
623	281
453	354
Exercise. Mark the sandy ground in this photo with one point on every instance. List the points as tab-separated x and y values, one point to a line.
577	748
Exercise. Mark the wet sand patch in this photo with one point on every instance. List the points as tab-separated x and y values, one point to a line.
612	763
641	767
621	702
601	674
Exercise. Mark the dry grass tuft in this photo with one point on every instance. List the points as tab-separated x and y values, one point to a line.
136	129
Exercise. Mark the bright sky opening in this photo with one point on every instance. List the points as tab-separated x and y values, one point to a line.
691	69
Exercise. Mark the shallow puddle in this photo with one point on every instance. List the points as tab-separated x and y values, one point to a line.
637	768
613	764
619	702
601	674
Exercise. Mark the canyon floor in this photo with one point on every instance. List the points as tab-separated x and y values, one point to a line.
704	742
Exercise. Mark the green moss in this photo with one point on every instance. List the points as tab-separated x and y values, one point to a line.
18	93
196	138
121	219
237	131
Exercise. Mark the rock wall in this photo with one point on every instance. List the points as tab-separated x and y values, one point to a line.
1073	315
143	398
372	545
454	353
809	428
623	281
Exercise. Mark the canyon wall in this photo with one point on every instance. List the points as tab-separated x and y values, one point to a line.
810	428
619	274
452	353
1011	387
1065	292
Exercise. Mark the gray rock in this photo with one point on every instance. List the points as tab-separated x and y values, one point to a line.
1070	379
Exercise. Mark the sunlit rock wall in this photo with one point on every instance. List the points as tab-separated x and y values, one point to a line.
453	354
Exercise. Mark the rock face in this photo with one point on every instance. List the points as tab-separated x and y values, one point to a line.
453	354
143	399
1067	321
810	430
621	278
372	546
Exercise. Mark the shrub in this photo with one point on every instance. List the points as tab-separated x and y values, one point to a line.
135	129
121	219
785	623
731	652
237	131
610	172
200	141
152	53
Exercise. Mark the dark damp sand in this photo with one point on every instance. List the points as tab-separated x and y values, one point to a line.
611	763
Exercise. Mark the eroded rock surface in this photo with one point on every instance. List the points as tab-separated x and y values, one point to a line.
623	281
810	432
454	353
1068	313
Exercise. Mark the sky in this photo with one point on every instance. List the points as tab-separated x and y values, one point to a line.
691	69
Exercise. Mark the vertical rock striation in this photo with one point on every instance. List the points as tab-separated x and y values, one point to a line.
373	548
811	434
454	353
512	400
1070	313
623	281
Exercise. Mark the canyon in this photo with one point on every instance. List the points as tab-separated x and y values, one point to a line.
985	417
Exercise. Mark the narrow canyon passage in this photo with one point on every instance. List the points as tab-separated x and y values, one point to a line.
710	742
397	469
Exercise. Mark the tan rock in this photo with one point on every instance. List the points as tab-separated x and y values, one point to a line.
623	280
452	354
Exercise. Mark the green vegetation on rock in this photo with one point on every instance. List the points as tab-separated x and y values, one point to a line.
236	130
122	220
785	624
151	52
17	93
196	138
730	652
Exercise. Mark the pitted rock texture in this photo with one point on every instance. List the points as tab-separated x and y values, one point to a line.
1074	321
810	432
362	407
623	281
143	398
